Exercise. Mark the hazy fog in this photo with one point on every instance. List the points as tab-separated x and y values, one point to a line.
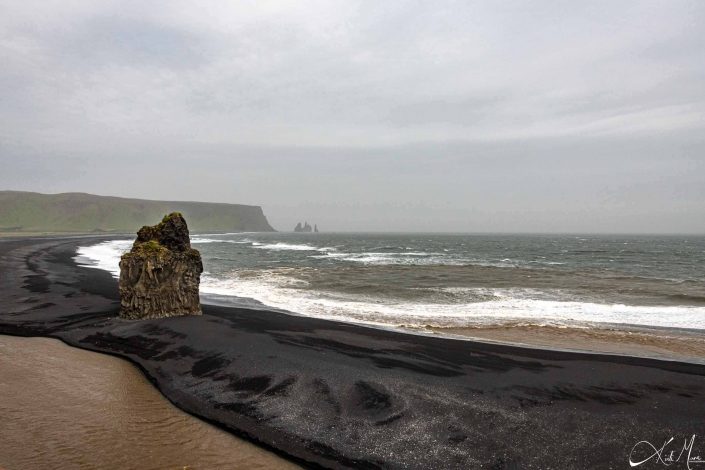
449	116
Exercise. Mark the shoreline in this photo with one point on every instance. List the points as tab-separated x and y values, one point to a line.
653	343
666	344
339	395
657	342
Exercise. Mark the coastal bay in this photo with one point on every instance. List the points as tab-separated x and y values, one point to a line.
339	395
335	235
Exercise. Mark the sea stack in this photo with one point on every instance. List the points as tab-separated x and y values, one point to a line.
305	228
159	276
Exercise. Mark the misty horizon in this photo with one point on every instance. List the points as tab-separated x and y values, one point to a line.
406	117
410	232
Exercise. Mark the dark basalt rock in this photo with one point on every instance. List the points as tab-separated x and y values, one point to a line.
171	233
306	228
159	277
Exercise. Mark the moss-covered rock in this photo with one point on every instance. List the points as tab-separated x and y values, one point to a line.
160	276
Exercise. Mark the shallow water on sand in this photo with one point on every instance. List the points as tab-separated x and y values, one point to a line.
63	407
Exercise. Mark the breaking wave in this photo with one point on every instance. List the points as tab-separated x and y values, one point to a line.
419	282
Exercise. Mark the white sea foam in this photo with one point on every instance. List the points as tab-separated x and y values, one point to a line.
105	255
281	289
387	257
225	234
201	240
508	306
284	247
196	240
420	258
290	247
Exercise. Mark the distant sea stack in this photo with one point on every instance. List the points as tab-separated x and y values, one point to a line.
87	213
305	228
159	277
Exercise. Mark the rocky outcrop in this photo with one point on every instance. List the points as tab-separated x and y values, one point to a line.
305	228
159	277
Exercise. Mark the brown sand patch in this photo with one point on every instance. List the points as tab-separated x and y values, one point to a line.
645	343
64	407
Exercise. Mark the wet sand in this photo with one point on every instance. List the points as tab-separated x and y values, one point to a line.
652	343
64	407
338	395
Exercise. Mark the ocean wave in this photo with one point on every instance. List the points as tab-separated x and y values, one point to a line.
430	258
105	255
439	307
201	240
279	246
383	258
290	247
216	234
504	306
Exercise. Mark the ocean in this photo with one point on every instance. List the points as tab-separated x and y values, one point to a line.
417	281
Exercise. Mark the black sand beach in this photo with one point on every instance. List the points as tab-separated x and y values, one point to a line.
337	395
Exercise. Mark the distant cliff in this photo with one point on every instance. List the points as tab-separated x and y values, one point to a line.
83	213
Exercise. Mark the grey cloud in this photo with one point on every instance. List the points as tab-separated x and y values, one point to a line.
510	116
108	40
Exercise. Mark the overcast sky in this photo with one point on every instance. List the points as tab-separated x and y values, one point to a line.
532	116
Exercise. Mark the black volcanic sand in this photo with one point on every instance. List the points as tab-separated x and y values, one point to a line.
337	395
